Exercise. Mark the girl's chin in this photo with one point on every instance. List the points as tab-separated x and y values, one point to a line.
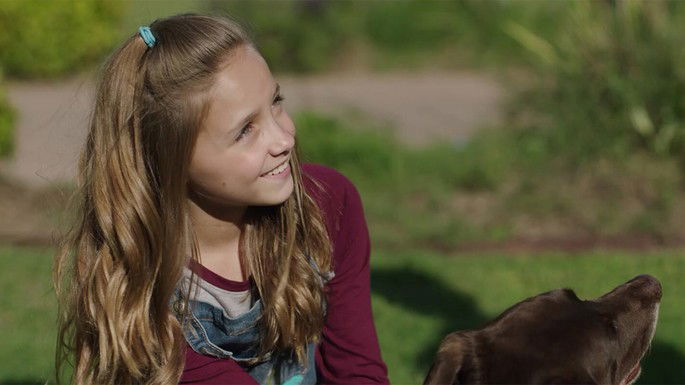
277	197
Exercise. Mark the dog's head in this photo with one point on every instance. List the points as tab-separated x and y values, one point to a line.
557	338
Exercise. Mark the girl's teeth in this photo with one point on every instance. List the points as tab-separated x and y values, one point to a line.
279	170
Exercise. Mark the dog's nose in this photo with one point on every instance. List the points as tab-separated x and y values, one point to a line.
647	285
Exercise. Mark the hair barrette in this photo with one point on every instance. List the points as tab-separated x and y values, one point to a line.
147	36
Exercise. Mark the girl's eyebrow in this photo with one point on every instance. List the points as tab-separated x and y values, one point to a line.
253	114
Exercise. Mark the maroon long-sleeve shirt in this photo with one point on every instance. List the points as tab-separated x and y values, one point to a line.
349	351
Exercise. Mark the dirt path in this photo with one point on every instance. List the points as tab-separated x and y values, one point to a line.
53	116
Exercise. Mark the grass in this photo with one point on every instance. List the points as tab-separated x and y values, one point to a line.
27	315
418	298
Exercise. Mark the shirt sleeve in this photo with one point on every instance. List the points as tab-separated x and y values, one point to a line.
202	369
349	352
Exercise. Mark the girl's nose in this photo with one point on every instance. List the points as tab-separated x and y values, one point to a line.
282	140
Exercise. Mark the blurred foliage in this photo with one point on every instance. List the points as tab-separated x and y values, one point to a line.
492	188
47	39
612	83
373	154
41	39
403	205
294	36
361	153
315	35
7	119
640	194
478	165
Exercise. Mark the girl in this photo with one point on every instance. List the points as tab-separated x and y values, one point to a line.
203	251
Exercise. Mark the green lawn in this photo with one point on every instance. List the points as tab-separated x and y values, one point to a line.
418	298
27	315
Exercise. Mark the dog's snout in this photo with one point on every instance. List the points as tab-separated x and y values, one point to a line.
648	286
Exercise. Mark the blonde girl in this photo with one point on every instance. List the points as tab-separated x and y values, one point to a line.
203	251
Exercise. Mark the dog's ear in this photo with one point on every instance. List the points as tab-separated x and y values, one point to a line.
448	361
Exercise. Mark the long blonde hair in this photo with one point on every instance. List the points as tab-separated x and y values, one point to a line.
118	264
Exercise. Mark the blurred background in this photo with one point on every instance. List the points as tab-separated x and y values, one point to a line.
501	148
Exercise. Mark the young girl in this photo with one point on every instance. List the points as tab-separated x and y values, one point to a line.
203	251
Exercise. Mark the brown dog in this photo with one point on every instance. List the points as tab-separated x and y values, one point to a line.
556	338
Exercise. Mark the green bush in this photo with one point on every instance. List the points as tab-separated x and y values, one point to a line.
40	39
7	119
294	36
310	36
410	25
407	192
612	82
480	164
358	153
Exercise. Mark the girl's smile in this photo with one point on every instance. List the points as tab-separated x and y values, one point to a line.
279	172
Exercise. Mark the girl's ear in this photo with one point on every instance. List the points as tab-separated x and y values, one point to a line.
448	362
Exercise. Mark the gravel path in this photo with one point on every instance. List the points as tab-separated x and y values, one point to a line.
421	107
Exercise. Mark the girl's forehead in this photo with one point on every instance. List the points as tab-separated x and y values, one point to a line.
241	89
246	79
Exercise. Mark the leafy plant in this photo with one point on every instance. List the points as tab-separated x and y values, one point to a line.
7	119
41	39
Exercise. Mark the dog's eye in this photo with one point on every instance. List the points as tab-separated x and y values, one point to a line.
611	325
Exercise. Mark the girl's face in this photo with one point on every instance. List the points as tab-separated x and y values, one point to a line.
247	134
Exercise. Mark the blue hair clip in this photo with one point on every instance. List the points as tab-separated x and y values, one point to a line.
147	36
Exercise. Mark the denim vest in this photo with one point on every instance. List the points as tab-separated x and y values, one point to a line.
211	332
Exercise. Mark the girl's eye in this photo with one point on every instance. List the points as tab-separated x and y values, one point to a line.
244	131
248	128
279	98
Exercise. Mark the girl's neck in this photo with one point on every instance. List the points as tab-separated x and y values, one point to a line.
215	226
218	236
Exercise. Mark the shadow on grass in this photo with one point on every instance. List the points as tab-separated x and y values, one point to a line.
21	382
664	364
421	293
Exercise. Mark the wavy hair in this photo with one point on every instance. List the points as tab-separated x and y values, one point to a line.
121	259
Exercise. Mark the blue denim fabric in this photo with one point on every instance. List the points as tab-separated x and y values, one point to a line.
210	332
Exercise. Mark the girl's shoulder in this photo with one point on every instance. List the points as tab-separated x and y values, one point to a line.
334	193
332	185
319	171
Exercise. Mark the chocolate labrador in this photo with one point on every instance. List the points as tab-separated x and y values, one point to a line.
556	338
